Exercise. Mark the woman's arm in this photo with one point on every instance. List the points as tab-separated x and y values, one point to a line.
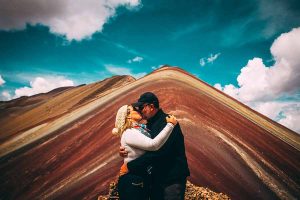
140	141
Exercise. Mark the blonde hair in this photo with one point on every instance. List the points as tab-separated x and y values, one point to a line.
128	124
122	121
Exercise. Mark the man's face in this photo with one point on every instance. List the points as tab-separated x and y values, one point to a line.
147	111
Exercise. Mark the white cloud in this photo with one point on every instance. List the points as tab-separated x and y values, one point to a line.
271	109
291	119
203	61
2	81
74	19
156	67
253	83
259	83
218	86
116	70
212	57
5	96
231	90
136	59
42	85
286	113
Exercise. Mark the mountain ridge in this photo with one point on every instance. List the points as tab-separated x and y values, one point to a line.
224	147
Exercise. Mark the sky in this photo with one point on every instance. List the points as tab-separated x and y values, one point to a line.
249	49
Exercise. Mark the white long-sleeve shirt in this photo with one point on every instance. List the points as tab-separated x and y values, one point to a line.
136	143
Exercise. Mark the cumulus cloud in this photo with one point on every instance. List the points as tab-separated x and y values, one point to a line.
116	70
212	57
231	90
42	85
74	19
218	86
5	96
259	83
136	59
286	113
1	80
292	119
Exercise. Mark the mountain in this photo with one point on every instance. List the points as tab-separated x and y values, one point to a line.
27	112
63	148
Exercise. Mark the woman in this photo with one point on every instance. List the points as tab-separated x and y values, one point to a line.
136	140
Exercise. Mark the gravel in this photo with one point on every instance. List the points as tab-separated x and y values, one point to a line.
192	192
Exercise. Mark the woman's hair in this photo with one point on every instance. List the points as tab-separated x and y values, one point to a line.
122	120
127	125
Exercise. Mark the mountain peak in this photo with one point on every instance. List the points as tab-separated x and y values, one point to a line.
64	148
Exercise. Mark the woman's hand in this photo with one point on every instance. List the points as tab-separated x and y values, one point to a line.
122	152
171	119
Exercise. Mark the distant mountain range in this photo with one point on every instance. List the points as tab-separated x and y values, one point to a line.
59	145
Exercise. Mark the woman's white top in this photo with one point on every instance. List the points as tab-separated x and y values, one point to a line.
136	143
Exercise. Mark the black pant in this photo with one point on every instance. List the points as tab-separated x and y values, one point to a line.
172	191
132	187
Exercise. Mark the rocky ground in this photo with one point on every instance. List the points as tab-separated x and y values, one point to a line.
192	192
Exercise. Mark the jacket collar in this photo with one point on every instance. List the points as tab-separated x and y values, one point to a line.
156	116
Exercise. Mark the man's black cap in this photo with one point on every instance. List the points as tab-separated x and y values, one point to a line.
147	97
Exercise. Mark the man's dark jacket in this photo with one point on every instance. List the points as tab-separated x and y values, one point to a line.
169	163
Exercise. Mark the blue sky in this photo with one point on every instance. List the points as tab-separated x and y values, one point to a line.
44	45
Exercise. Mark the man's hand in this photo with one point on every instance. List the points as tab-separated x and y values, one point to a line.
123	153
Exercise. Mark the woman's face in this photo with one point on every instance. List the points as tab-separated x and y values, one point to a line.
134	115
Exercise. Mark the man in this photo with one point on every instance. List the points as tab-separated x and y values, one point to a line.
168	166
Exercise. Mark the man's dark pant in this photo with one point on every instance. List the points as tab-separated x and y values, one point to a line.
132	187
172	191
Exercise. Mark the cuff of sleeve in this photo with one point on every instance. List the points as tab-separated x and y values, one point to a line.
170	124
124	169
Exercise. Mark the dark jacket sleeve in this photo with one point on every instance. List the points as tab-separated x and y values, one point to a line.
166	152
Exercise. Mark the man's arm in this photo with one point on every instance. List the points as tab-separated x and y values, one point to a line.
139	165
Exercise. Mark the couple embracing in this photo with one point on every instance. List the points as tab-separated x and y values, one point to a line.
155	165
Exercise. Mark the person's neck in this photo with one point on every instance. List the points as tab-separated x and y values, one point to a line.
154	113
